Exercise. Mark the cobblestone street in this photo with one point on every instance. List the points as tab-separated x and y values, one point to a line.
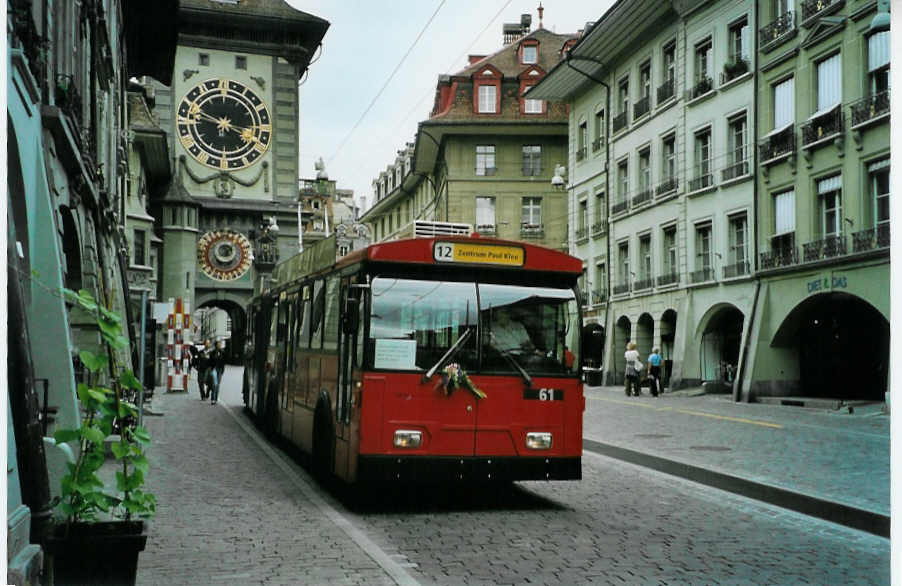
234	510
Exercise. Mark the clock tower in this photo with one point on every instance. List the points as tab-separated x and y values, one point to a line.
232	119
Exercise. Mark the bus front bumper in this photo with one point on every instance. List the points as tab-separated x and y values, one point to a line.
436	469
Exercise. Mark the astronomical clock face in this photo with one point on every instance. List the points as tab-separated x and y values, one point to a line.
224	124
224	255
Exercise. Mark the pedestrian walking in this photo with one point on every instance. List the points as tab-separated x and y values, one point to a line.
217	366
633	368
654	372
202	363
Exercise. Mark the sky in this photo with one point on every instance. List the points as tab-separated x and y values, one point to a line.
367	40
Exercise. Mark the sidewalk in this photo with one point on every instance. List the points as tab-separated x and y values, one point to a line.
829	464
233	510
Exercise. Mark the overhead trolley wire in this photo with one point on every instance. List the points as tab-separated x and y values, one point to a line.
387	81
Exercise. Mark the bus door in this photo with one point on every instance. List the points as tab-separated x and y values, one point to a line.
530	343
350	309
413	325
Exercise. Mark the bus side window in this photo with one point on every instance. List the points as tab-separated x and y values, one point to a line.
304	338
316	320
330	322
292	331
273	324
361	329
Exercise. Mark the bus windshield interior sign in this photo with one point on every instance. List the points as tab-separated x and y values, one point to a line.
463	252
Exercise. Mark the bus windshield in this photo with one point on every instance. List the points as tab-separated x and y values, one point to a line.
414	323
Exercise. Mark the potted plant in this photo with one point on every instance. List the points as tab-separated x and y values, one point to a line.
102	531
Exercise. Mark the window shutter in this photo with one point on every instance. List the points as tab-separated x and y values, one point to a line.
829	83
878	165
829	184
785	212
784	103
878	50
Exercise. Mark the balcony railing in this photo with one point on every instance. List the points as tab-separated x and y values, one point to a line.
736	269
668	278
486	170
599	227
870	108
665	91
827	248
621	288
620	206
596	145
702	86
581	153
532	231
486	229
824	126
619	121
666	186
733	69
599	296
646	283
771	33
812	8
702	275
641	107
582	233
737	169
642	197
781	256
777	144
702	181
865	239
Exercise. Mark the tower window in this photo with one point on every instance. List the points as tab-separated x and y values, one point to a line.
240	62
203	58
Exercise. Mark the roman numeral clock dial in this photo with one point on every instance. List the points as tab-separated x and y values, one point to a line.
223	124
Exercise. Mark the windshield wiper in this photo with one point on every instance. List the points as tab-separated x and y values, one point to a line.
510	358
451	351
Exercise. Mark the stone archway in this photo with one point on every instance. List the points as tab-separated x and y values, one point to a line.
622	334
667	327
842	344
721	337
237	320
645	335
593	338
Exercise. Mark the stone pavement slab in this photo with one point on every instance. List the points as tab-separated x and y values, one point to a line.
227	514
836	457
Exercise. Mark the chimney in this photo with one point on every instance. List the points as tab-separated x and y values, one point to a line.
474	58
511	31
541	10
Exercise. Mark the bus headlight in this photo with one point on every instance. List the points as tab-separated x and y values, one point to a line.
538	440
407	438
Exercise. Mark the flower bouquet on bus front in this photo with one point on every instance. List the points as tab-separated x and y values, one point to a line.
454	377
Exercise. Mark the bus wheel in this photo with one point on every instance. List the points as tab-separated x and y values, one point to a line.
322	444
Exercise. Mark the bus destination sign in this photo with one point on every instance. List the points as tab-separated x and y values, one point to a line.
463	252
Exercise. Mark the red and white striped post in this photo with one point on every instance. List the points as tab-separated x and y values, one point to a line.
178	336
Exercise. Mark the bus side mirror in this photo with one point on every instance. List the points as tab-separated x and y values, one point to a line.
352	316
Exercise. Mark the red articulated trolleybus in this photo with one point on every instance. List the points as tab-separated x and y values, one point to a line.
423	360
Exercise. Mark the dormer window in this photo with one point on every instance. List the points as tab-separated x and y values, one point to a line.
487	91
530	54
529	78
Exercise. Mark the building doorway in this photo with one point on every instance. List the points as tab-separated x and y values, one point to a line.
593	345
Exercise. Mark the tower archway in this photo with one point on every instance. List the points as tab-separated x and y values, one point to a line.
231	330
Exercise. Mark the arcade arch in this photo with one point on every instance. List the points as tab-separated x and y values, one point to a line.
842	345
720	342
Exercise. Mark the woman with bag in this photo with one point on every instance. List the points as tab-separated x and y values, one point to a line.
633	368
